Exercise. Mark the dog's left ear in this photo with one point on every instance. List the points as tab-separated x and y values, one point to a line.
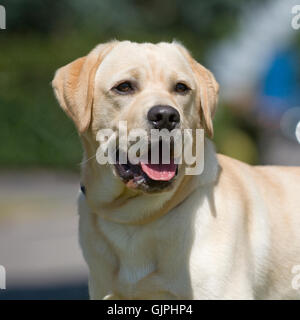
73	85
208	91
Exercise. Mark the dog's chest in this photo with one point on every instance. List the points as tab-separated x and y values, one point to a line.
135	250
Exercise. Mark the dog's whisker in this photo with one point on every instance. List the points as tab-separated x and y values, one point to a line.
86	160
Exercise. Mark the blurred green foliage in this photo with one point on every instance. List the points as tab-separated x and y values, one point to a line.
44	35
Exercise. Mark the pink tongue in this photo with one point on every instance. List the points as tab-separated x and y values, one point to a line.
162	172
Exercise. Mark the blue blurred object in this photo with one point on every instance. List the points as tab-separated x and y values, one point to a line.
279	85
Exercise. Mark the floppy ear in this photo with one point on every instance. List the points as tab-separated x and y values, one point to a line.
208	92
73	85
209	89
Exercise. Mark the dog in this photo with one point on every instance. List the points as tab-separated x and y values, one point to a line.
231	232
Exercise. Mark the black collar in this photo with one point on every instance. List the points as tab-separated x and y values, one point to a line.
82	188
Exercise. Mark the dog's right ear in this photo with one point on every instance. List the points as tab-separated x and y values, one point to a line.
73	85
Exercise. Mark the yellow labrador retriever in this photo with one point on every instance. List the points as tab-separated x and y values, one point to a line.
152	232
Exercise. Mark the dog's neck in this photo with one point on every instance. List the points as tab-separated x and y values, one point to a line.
109	198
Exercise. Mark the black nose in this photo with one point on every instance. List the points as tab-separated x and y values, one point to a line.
163	117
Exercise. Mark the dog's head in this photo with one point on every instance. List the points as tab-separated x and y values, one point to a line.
150	86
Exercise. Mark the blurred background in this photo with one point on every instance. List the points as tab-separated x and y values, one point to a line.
250	46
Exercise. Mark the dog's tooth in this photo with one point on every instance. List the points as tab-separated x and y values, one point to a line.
140	181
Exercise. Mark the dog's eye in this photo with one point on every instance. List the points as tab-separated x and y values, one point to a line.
124	87
181	88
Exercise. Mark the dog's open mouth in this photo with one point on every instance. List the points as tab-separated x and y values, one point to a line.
147	176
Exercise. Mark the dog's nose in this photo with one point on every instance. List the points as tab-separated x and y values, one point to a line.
163	117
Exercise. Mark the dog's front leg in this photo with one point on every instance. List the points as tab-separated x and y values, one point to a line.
100	288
